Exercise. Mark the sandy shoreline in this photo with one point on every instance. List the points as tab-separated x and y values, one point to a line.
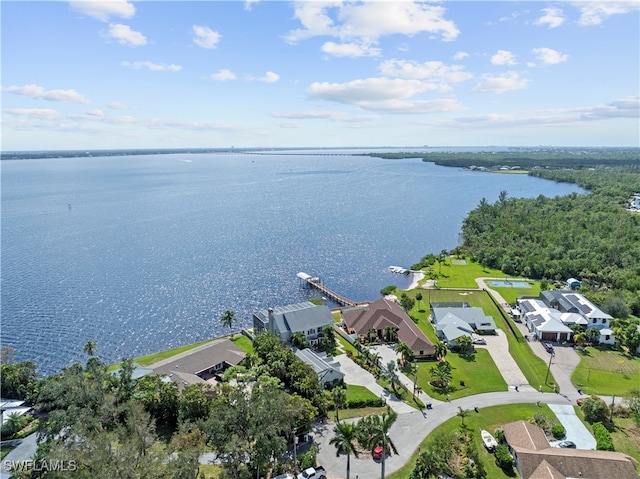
415	280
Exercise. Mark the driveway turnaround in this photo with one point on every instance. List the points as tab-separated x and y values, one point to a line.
576	430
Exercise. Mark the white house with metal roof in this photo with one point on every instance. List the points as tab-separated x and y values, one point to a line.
545	323
328	371
284	321
571	302
454	320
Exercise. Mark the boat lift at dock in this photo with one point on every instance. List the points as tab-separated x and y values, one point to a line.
309	281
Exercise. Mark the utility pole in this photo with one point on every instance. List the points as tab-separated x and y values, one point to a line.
415	377
549	368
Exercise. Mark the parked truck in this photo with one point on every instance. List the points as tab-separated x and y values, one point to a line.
313	473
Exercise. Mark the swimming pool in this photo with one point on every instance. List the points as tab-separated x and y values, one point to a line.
510	284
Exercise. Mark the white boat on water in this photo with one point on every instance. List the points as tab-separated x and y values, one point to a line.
489	441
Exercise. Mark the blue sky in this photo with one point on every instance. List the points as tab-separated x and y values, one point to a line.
168	74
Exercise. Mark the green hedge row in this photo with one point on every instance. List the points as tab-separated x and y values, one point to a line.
603	437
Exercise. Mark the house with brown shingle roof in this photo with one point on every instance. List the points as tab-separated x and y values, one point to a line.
536	459
383	313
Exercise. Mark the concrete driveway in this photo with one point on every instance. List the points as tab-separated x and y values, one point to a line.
576	430
354	374
498	348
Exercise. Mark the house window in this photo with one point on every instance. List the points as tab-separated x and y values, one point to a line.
421	353
594	321
607	337
311	331
604	321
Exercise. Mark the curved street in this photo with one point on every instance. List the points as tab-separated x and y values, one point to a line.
413	426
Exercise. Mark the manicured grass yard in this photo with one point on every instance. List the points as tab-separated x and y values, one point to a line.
531	365
243	343
489	419
463	276
606	372
511	294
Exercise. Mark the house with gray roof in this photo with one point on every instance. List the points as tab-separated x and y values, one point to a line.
202	363
328	370
454	320
284	321
534	458
571	302
548	324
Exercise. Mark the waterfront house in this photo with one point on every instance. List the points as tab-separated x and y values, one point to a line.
201	364
453	320
548	324
384	313
328	371
571	302
534	458
284	321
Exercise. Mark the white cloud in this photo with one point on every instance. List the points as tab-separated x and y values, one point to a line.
548	56
205	37
248	4
269	77
117	105
154	67
352	50
36	91
553	17
437	71
124	35
370	89
595	13
503	57
103	10
338	116
500	84
382	94
625	108
460	56
368	21
35	113
222	75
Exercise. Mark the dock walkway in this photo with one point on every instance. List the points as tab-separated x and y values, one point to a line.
316	283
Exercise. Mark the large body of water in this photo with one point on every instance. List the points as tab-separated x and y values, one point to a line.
144	253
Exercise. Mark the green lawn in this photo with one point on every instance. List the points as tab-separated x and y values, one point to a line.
532	366
462	276
606	372
489	419
511	294
359	393
243	343
347	346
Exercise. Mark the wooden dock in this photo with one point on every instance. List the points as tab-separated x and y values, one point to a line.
316	283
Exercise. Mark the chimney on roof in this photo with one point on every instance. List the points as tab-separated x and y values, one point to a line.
272	320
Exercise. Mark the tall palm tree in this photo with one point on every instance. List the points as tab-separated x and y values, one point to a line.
227	319
90	347
339	396
377	434
345	442
390	372
405	352
441	350
299	339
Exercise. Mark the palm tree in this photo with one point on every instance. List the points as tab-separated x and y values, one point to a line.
441	373
339	396
462	413
227	318
419	298
298	339
441	350
389	372
90	347
372	334
405	352
465	344
390	333
428	466
345	441
377	434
